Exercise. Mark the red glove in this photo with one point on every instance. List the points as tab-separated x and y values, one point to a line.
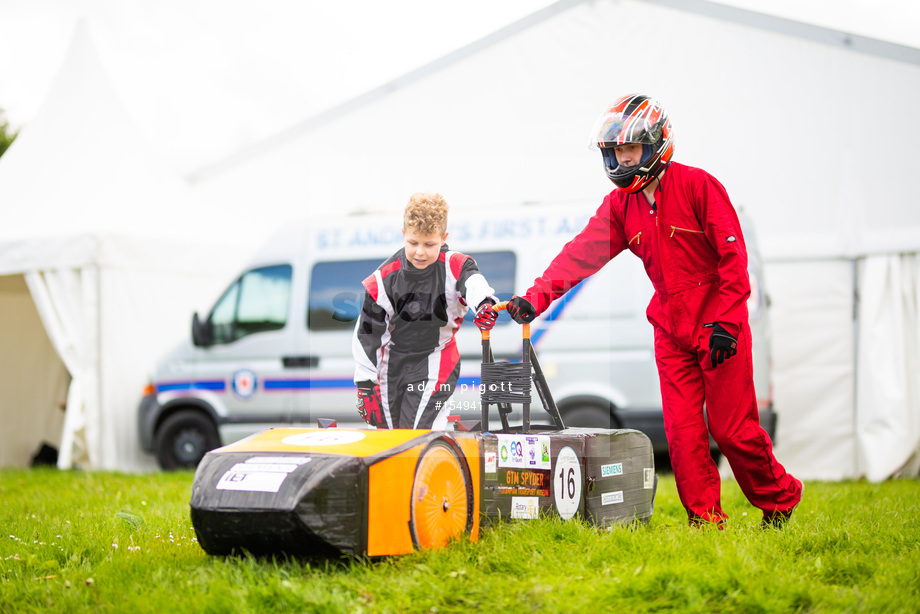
485	315
369	406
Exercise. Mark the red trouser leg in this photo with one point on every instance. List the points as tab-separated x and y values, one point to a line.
697	476
734	422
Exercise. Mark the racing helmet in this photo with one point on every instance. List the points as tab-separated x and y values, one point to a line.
634	118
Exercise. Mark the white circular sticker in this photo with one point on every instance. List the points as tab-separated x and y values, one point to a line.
567	483
323	438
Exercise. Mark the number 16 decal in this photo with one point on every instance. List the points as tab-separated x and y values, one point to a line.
567	483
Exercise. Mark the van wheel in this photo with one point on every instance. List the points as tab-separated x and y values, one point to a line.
589	416
184	438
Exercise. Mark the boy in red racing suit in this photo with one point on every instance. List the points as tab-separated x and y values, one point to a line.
680	222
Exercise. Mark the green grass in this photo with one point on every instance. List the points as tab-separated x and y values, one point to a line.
104	542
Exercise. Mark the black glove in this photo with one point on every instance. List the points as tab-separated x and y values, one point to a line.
722	346
485	315
521	311
369	406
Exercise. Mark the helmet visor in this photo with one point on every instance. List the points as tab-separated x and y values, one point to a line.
614	129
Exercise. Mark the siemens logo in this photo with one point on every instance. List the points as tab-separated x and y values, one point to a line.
611	470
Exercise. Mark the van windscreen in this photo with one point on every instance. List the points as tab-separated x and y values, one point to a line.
255	303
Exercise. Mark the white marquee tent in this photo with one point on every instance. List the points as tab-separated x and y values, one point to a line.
810	129
89	295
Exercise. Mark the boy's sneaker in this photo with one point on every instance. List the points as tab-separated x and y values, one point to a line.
777	520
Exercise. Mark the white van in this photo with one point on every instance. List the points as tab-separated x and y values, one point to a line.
276	346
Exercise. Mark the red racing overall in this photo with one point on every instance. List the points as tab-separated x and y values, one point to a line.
691	244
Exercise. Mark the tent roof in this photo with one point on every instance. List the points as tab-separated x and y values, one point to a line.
203	80
891	21
787	44
789	20
203	84
786	123
80	175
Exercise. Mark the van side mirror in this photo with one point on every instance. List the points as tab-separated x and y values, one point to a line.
201	331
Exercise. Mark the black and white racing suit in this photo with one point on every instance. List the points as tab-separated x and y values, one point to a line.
404	338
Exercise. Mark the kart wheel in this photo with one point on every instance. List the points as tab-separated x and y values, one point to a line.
184	438
442	497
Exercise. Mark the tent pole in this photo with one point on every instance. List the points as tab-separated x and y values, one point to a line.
855	416
102	449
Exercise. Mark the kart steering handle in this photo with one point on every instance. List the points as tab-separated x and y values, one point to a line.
502	306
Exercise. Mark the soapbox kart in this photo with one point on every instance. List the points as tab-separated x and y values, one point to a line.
371	493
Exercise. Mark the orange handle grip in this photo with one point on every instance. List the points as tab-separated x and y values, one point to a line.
502	306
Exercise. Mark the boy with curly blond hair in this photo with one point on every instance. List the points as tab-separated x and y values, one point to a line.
407	363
